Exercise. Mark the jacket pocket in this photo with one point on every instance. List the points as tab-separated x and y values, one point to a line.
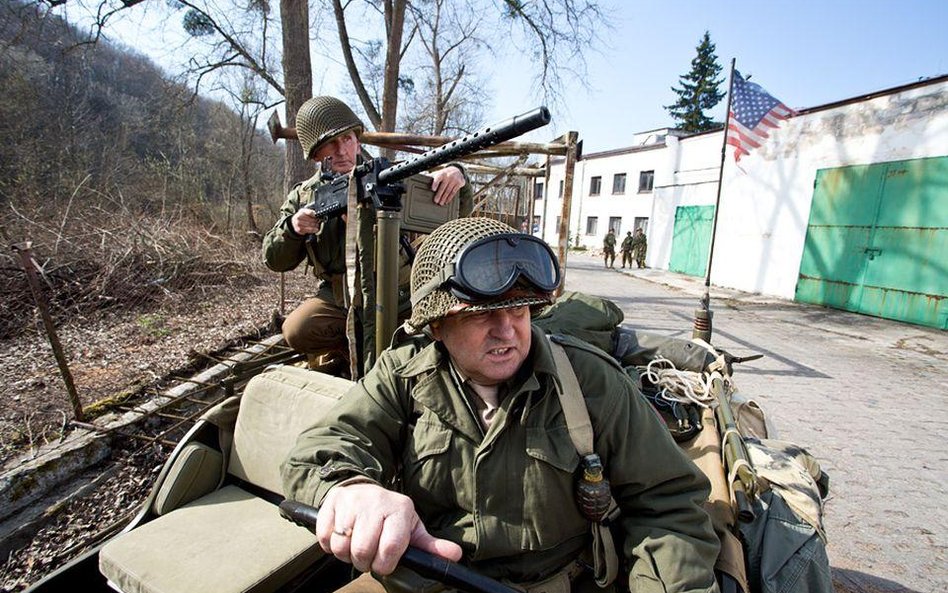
548	485
429	467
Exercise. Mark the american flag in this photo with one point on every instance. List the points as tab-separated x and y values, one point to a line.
753	110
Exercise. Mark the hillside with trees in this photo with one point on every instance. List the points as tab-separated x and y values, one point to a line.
127	181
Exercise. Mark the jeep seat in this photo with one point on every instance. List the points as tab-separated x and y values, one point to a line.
228	539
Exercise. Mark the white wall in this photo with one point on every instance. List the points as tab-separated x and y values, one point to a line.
765	203
766	207
690	177
628	206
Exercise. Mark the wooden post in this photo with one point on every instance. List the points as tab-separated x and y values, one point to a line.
570	165
26	260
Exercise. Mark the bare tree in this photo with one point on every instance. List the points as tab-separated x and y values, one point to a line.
382	111
298	78
449	98
556	34
237	36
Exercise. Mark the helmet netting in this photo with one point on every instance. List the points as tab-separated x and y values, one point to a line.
441	248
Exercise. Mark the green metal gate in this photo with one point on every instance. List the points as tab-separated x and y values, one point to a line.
877	241
691	240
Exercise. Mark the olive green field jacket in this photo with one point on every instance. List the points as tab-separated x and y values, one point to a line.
507	496
284	249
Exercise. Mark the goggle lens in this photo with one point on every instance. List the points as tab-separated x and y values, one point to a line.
491	266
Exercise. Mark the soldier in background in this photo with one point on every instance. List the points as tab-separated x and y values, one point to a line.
329	133
639	247
609	249
627	249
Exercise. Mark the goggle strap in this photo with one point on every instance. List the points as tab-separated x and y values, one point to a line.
446	273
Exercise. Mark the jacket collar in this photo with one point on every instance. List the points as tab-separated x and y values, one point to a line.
428	371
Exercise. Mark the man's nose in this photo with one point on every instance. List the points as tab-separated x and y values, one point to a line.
502	323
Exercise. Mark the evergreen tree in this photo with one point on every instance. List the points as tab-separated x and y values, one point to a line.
699	91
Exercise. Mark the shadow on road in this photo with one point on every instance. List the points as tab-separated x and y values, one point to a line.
853	581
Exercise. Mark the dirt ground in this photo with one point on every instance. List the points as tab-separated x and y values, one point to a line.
117	353
110	355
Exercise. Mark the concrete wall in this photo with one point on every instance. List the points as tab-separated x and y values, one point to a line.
765	203
765	200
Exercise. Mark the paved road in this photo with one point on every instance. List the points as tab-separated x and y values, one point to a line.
868	397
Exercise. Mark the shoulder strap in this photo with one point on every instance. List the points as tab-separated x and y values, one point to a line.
572	402
605	557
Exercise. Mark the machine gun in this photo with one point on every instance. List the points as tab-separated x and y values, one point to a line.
382	186
400	187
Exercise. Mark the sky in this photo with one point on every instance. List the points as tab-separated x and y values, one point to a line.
806	53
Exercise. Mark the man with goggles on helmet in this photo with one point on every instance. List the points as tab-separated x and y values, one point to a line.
329	133
456	442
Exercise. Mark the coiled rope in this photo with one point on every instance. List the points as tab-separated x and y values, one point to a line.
677	386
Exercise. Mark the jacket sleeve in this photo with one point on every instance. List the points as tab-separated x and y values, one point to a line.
358	437
283	249
669	541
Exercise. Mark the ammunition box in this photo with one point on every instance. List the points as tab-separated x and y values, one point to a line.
419	212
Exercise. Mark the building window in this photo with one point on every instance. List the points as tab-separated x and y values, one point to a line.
595	185
646	180
561	188
592	224
558	219
618	183
641	222
615	223
538	191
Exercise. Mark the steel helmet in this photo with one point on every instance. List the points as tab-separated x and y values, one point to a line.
432	299
321	119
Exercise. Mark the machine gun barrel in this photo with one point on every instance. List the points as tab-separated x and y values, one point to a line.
736	460
488	136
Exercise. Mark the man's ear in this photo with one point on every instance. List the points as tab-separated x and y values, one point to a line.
434	328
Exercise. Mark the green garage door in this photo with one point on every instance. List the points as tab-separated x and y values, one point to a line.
691	240
877	241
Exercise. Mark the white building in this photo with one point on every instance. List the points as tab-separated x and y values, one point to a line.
858	245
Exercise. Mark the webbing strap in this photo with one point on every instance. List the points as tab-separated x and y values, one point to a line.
351	287
579	426
572	401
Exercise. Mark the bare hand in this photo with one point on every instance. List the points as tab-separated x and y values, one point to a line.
446	184
371	527
305	222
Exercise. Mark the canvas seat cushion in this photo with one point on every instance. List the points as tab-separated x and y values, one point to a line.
228	541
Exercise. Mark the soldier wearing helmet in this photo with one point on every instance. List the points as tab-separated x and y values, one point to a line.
329	134
456	442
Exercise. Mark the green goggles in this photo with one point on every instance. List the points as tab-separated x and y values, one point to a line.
491	266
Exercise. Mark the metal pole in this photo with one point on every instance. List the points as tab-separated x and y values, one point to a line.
386	289
703	314
26	260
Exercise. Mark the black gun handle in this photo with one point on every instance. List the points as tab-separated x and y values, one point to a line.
450	573
424	563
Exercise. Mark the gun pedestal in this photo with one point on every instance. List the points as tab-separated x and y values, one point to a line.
386	294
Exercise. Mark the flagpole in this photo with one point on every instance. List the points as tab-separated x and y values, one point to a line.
703	315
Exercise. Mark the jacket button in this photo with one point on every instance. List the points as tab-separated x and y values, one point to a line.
325	470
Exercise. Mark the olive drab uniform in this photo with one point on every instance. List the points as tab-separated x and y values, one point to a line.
609	249
627	249
284	250
495	491
639	247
